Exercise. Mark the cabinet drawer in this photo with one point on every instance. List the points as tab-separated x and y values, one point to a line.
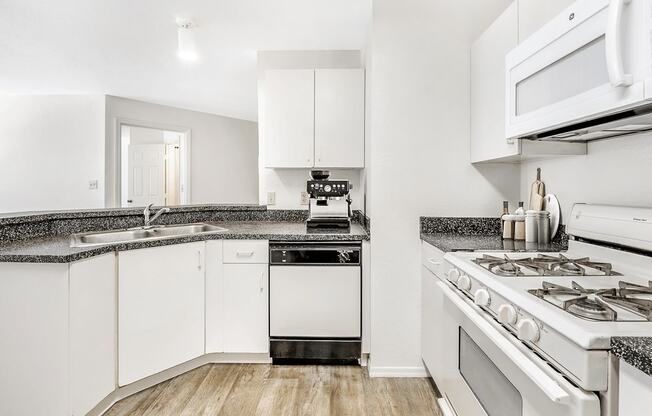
432	258
246	251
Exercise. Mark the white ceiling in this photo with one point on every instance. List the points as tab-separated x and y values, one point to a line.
128	47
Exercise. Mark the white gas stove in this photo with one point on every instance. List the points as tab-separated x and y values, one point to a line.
564	307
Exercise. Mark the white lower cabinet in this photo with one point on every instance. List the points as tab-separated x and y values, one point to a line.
34	339
57	336
160	309
431	309
245	308
634	391
92	332
214	297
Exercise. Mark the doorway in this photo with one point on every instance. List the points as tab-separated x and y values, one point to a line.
153	166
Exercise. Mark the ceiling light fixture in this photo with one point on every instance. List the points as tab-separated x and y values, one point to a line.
187	50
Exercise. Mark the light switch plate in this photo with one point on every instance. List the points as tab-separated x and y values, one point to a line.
305	198
93	185
271	198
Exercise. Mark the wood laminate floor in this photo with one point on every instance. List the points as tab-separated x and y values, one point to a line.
262	389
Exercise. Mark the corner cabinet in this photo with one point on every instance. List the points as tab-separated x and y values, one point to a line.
57	338
488	139
313	118
160	309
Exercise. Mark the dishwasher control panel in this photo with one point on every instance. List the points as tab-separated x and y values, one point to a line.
314	254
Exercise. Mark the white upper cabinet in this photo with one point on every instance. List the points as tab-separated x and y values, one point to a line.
339	118
488	90
533	14
313	118
289	119
160	309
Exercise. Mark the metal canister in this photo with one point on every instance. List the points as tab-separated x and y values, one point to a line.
543	228
532	226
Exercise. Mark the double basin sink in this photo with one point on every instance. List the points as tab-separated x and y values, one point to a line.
142	234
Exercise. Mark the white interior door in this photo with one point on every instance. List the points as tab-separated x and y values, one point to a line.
146	175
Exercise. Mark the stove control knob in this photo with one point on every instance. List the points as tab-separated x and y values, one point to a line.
528	330
507	314
464	282
482	297
453	275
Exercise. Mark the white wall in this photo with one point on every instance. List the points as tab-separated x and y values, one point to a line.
224	153
52	146
419	156
615	171
288	184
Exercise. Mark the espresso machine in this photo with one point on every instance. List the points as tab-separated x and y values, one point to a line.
330	202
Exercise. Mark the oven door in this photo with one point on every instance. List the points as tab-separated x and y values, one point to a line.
486	371
591	60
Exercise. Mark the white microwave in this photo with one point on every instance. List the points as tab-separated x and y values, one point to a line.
585	75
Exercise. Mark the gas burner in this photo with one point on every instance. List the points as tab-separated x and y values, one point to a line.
628	302
544	265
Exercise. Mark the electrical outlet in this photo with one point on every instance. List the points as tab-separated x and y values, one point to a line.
271	198
93	185
305	198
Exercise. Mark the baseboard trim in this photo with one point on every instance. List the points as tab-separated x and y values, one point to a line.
397	371
212	358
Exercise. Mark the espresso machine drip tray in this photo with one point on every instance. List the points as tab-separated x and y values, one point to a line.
328	224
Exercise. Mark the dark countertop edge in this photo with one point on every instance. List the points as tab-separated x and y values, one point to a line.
430	238
38	216
636	351
99	250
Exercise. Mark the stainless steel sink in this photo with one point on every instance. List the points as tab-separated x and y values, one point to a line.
138	234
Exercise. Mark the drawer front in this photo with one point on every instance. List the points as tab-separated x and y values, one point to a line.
433	259
246	251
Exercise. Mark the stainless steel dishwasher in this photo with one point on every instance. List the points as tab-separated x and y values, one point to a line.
315	297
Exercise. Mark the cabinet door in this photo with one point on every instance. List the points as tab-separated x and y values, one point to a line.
431	301
160	309
488	138
634	391
245	308
214	297
288	118
34	352
92	332
534	14
339	118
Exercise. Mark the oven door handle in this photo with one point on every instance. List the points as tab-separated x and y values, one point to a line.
548	385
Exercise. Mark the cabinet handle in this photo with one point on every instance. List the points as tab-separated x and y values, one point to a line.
199	260
244	253
433	262
262	282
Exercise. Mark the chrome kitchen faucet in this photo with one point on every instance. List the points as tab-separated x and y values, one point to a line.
147	212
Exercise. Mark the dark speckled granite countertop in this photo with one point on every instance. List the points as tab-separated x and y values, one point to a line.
57	249
463	242
477	234
636	351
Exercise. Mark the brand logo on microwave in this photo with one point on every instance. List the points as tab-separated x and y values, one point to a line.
640	219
